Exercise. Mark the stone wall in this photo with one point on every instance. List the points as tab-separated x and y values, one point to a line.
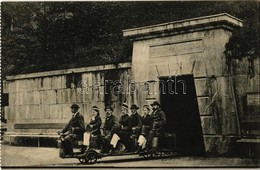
47	97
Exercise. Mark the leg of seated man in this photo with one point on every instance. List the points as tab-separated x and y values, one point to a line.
124	138
150	138
68	143
106	143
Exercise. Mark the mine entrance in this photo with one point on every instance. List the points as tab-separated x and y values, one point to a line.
179	101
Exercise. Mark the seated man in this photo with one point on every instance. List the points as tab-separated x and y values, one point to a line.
123	132
110	126
73	130
158	122
146	127
135	125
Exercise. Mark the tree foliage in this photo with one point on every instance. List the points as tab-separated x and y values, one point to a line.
41	36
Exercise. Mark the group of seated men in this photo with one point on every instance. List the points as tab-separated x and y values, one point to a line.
135	132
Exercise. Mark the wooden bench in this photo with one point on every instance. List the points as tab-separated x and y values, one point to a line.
37	135
31	135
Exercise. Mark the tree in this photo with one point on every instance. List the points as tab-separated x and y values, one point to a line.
41	36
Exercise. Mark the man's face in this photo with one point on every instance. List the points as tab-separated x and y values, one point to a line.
155	107
133	111
108	112
124	110
145	111
74	110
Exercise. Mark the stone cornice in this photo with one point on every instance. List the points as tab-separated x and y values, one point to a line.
69	71
222	20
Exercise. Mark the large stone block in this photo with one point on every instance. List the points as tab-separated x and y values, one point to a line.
8	113
55	111
57	82
205	105
21	85
13	86
176	48
79	95
199	69
63	81
59	96
30	97
20	112
208	125
14	99
229	124
36	112
220	145
48	97
30	112
66	96
46	83
33	84
73	95
45	111
36	97
66	111
23	99
201	87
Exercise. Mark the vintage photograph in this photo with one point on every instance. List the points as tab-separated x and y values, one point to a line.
130	84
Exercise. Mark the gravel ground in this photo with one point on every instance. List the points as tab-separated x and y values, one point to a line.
14	156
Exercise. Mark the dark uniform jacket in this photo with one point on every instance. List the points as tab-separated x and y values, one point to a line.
159	118
147	120
135	122
147	123
96	123
124	122
77	123
110	124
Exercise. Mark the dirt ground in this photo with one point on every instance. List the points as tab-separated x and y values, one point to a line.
14	156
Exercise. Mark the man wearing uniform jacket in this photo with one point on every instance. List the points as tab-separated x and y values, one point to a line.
135	125
135	122
110	126
73	130
158	122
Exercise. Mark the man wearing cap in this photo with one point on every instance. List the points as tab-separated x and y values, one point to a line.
135	124
73	130
158	122
124	130
110	126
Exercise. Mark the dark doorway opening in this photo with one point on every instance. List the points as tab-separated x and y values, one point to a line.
179	101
